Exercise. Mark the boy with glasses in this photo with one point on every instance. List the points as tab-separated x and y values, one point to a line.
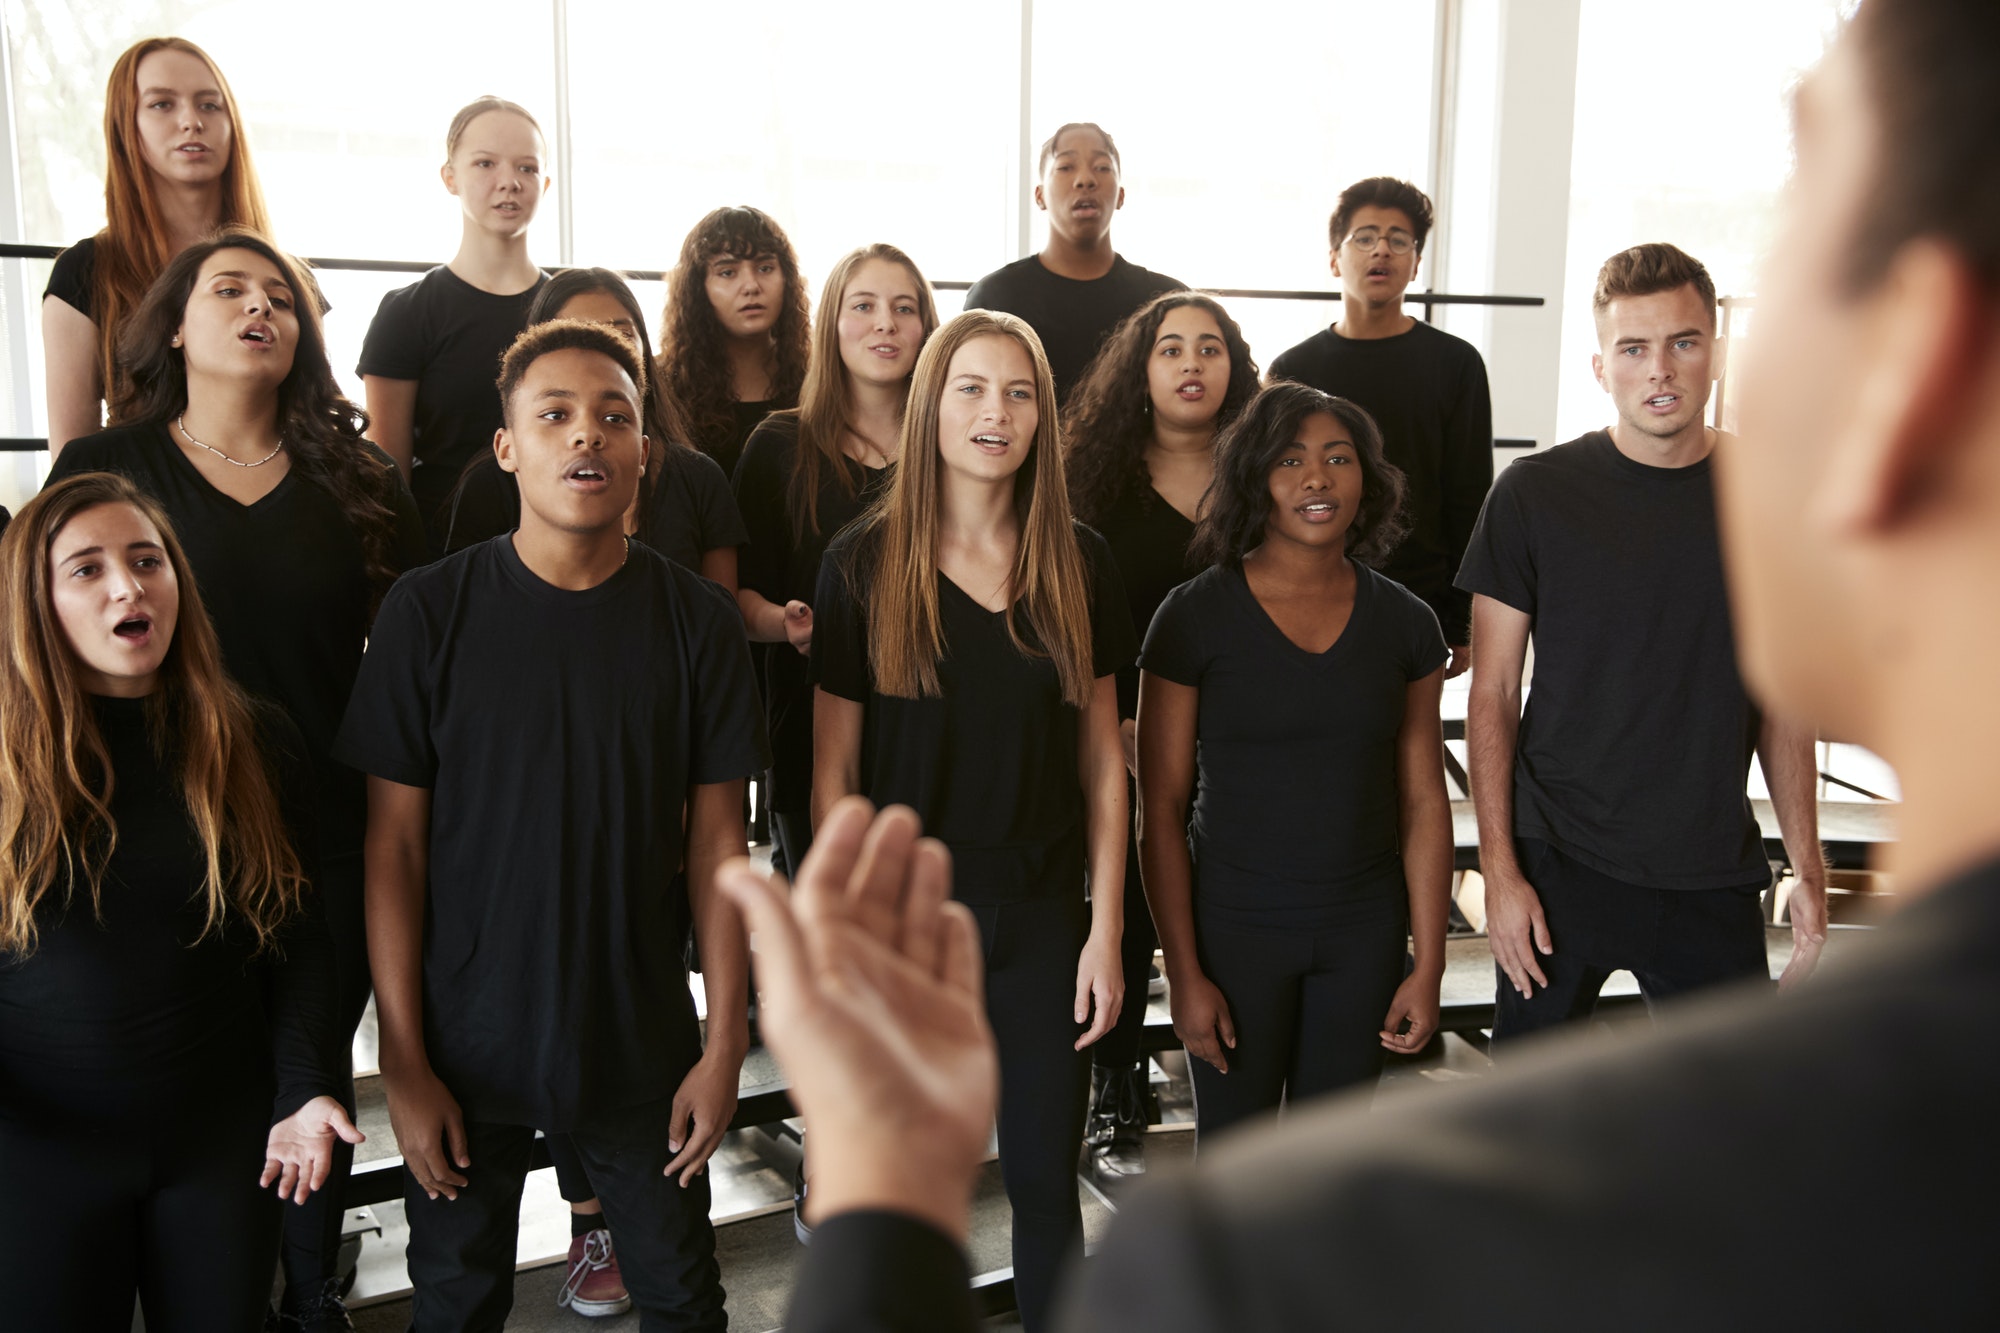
1425	389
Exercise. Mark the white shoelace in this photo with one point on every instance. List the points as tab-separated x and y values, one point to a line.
596	1255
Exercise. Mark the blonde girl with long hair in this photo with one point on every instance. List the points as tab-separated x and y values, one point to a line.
166	979
966	639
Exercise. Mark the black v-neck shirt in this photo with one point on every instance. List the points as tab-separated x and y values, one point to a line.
781	565
285	582
1149	540
1296	815
560	734
990	763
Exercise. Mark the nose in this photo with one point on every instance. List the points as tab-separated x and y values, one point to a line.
1662	369
191	117
125	585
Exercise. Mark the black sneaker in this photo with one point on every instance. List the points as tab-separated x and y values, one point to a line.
320	1311
1117	1129
799	1227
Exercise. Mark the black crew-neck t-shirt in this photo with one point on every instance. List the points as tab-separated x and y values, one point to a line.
1072	317
119	1008
1427	391
1149	541
73	276
781	564
559	734
1635	743
285	582
990	764
1296	818
448	336
687	512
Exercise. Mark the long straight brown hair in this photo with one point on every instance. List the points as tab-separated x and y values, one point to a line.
1048	587
823	411
56	781
134	246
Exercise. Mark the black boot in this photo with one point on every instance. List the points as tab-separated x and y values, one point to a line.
1117	1130
319	1311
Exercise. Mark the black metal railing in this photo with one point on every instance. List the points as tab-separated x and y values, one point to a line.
1428	300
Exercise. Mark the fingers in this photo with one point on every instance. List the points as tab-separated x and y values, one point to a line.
692	1149
778	954
272	1166
875	888
1108	1004
1203	1047
346	1128
961	966
923	933
454	1134
1225	1026
1540	925
836	847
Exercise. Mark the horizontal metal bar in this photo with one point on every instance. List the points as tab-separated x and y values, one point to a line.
20	250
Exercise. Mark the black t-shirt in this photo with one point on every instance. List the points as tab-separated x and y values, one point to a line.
781	565
119	1010
560	734
1296	820
285	582
1427	392
990	764
1149	540
1635	744
73	276
745	418
1071	317
688	510
448	336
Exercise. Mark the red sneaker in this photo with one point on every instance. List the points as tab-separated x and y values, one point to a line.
595	1287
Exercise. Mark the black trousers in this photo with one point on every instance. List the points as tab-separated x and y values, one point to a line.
461	1253
1031	951
1307	1005
791	836
165	1207
1119	1048
1673	940
312	1229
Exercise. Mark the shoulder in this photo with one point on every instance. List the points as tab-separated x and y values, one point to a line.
1300	356
1091	542
428	591
1004	281
372	455
1446	347
1199	594
1532	473
705	603
406	301
772	440
124	449
71	278
1153	284
1400	602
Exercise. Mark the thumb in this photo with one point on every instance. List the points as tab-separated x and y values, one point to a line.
1541	930
341	1125
1224	1026
677	1125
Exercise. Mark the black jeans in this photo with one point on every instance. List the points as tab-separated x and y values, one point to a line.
461	1253
1031	950
165	1206
312	1229
1673	940
1307	1005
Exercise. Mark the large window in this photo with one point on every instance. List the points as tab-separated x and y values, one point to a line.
1680	141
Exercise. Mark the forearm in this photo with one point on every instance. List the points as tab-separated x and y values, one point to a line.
1107	817
716	836
1790	758
1492	723
304	986
718	565
836	752
395	887
1167	870
1427	859
763	620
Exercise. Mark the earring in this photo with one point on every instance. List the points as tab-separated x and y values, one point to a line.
642	469
175	341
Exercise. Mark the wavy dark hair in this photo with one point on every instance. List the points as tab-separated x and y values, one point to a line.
1240	500
1108	421
324	433
57	834
693	365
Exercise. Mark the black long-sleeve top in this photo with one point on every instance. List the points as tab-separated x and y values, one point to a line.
112	1013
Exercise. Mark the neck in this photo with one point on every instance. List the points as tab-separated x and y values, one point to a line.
876	413
1181	444
492	263
750	367
572	561
1684	448
1083	261
239	419
120	687
190	211
977	512
1290	564
1361	320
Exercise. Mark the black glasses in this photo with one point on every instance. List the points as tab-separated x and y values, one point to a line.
1400	242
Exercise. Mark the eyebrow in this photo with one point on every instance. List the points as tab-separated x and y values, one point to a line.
175	92
239	273
99	550
1636	340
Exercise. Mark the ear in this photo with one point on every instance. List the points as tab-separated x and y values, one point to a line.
1121	200
503	450
1416	264
1718	360
449	177
1040	202
547	181
1333	260
1597	369
1932	351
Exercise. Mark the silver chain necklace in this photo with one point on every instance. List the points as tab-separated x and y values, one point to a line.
181	422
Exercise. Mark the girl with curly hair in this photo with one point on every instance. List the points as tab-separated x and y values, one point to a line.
1141	431
735	337
296	526
1296	690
